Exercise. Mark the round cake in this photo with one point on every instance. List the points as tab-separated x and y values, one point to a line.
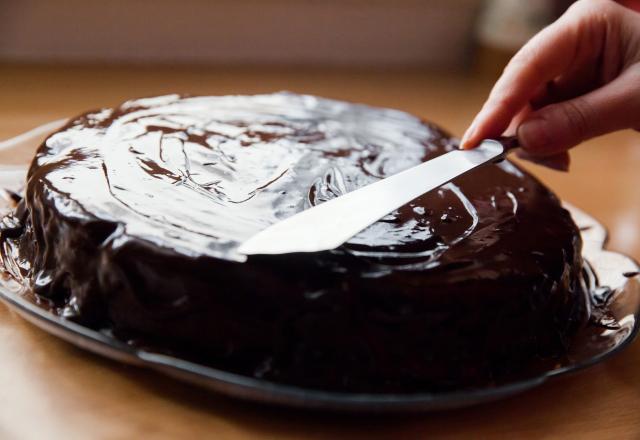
132	216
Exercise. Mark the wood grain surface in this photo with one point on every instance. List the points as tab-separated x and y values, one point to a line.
49	389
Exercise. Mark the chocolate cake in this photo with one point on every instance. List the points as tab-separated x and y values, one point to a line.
131	218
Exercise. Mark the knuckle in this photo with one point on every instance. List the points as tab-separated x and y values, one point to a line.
523	57
592	8
527	59
578	115
505	103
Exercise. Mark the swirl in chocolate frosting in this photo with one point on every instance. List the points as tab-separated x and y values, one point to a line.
234	165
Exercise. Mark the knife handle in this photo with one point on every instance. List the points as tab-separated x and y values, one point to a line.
509	143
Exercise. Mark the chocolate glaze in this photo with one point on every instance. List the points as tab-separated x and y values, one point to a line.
132	216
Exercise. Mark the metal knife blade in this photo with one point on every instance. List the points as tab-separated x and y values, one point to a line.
332	223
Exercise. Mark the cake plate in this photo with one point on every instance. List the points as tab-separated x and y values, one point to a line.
613	282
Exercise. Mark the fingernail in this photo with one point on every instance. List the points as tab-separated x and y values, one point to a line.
533	134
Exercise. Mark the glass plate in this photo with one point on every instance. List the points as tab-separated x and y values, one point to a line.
613	280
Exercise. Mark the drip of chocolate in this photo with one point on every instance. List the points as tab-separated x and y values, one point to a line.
132	216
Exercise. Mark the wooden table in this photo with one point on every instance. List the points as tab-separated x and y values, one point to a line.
50	389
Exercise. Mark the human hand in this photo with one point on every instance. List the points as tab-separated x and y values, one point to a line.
577	79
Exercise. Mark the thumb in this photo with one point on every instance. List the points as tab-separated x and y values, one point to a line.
558	127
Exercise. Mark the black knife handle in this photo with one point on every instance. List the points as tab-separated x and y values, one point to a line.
509	143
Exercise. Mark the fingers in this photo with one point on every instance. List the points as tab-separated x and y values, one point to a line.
558	127
575	39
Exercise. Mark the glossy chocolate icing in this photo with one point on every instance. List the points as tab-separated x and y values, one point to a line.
132	216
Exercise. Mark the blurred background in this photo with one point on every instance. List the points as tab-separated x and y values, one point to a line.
381	33
427	33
